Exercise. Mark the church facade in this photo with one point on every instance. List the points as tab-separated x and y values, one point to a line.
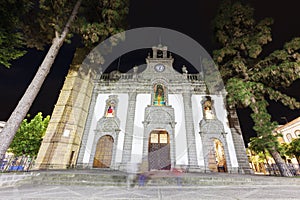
155	119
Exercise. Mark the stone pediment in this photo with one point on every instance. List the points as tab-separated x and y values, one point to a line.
169	73
159	115
108	124
159	65
211	126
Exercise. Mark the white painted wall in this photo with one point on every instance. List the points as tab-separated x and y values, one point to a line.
122	115
176	101
221	114
290	129
98	112
197	117
142	100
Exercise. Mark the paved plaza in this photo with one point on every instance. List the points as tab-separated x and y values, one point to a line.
104	192
81	185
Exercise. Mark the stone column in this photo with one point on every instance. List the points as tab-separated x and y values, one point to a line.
85	137
115	149
206	147
128	137
190	132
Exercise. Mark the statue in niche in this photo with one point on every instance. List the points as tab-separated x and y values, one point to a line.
208	110
159	96
110	112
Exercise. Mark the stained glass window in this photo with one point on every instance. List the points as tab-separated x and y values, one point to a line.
159	95
110	112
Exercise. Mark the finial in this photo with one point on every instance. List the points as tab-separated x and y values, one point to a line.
118	68
184	70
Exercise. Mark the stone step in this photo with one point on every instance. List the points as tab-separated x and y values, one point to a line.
11	179
153	179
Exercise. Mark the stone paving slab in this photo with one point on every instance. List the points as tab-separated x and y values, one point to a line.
257	187
269	192
11	179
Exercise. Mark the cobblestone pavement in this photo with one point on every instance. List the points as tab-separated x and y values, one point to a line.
175	192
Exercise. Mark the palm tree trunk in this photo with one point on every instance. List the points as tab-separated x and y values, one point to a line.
269	166
282	166
33	89
298	159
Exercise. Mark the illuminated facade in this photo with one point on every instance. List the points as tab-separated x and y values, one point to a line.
157	117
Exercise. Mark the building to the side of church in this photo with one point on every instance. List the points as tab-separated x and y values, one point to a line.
289	132
155	119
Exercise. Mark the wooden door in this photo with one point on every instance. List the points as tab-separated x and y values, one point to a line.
103	154
159	151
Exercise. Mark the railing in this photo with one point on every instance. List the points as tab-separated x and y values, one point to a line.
108	77
16	163
104	77
194	77
126	76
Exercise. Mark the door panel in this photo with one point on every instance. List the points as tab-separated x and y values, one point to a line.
103	153
159	151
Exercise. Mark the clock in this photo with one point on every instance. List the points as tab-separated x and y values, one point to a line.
159	67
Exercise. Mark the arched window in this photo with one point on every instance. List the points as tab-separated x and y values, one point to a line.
110	109
297	133
289	137
208	109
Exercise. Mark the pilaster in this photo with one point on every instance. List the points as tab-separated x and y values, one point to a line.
129	127
190	132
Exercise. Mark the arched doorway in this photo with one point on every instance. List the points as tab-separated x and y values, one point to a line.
103	154
217	160
159	150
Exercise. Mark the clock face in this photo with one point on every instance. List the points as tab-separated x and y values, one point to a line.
159	67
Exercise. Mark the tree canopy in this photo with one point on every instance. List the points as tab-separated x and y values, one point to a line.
293	149
251	78
96	20
29	136
34	24
11	39
52	23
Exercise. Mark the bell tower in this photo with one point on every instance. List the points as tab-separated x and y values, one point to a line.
161	61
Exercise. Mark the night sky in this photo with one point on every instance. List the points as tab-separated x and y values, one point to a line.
192	18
